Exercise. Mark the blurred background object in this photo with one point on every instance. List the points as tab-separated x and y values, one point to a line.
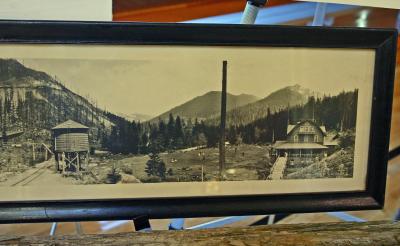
282	12
393	4
76	10
177	10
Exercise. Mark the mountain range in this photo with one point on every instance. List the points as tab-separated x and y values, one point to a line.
241	109
207	106
286	97
136	117
42	100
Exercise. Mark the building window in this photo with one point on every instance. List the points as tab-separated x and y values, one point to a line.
306	138
306	129
315	138
296	138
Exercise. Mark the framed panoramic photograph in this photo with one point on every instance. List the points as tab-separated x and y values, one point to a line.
115	120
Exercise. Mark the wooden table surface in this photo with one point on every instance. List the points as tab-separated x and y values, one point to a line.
371	233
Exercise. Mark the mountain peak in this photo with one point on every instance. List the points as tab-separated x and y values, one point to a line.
302	90
13	73
207	105
295	86
290	95
10	68
9	62
212	92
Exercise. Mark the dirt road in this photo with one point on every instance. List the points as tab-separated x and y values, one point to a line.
41	174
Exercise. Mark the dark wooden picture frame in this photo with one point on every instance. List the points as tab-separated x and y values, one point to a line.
383	41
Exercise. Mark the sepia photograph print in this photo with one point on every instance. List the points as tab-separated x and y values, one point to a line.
105	121
179	114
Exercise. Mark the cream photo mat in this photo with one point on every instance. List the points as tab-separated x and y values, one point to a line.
362	60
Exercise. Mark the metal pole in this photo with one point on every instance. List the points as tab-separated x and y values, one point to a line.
78	228
53	229
251	11
319	15
271	219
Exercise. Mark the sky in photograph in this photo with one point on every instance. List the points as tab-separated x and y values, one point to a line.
153	80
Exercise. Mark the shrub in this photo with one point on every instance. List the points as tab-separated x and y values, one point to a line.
127	169
129	179
113	176
347	139
151	179
171	179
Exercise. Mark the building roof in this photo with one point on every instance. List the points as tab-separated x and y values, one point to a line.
286	145
290	128
330	143
331	140
70	124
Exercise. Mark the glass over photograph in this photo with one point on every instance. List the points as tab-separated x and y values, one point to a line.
226	120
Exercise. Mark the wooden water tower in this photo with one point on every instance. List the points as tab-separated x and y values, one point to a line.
71	146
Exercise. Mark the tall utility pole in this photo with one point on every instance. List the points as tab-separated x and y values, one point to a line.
223	122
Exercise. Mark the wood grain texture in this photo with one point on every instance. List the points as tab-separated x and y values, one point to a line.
371	233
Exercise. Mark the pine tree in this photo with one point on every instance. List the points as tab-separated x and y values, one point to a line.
155	166
187	133
163	141
170	131
232	135
143	148
113	176
212	135
201	140
178	134
134	139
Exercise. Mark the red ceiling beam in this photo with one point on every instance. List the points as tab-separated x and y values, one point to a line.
177	10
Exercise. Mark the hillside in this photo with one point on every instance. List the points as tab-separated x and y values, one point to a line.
207	105
14	74
338	165
288	96
136	117
31	99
